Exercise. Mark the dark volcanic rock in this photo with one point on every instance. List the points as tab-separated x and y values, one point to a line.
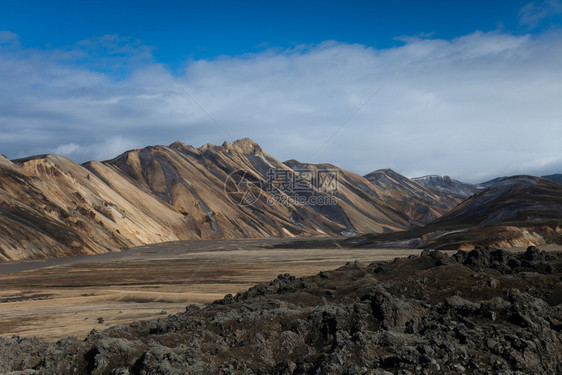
479	312
532	260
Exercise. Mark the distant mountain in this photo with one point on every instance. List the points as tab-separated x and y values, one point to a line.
51	206
448	185
491	182
512	199
554	177
421	203
516	211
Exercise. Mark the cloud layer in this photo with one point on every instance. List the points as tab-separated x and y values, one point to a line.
474	107
532	14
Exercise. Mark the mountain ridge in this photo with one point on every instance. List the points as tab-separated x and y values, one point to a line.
447	185
517	211
427	204
51	206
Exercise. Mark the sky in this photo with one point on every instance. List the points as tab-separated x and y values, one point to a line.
469	89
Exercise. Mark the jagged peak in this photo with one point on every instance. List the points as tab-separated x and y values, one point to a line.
178	144
206	147
432	177
244	142
244	145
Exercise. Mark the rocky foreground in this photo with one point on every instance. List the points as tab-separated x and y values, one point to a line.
486	311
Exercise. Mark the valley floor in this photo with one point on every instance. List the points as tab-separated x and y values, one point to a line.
55	298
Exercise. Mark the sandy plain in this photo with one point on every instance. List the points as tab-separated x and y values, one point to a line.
56	298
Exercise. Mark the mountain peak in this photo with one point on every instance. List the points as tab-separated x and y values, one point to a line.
5	163
244	145
433	177
178	144
52	158
386	171
293	163
447	185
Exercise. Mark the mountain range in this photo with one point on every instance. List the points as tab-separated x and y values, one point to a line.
51	206
515	211
449	186
463	190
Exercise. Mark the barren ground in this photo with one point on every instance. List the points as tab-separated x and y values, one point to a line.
62	297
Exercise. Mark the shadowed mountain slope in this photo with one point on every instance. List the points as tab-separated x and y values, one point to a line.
50	206
516	211
365	205
554	178
513	199
449	186
419	202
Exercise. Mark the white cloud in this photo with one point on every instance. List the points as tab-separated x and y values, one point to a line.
474	107
103	150
68	149
533	13
8	38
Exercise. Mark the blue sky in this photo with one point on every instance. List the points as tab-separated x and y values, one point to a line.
479	95
182	30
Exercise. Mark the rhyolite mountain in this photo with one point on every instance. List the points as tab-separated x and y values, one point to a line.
514	212
422	204
445	185
554	178
51	206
